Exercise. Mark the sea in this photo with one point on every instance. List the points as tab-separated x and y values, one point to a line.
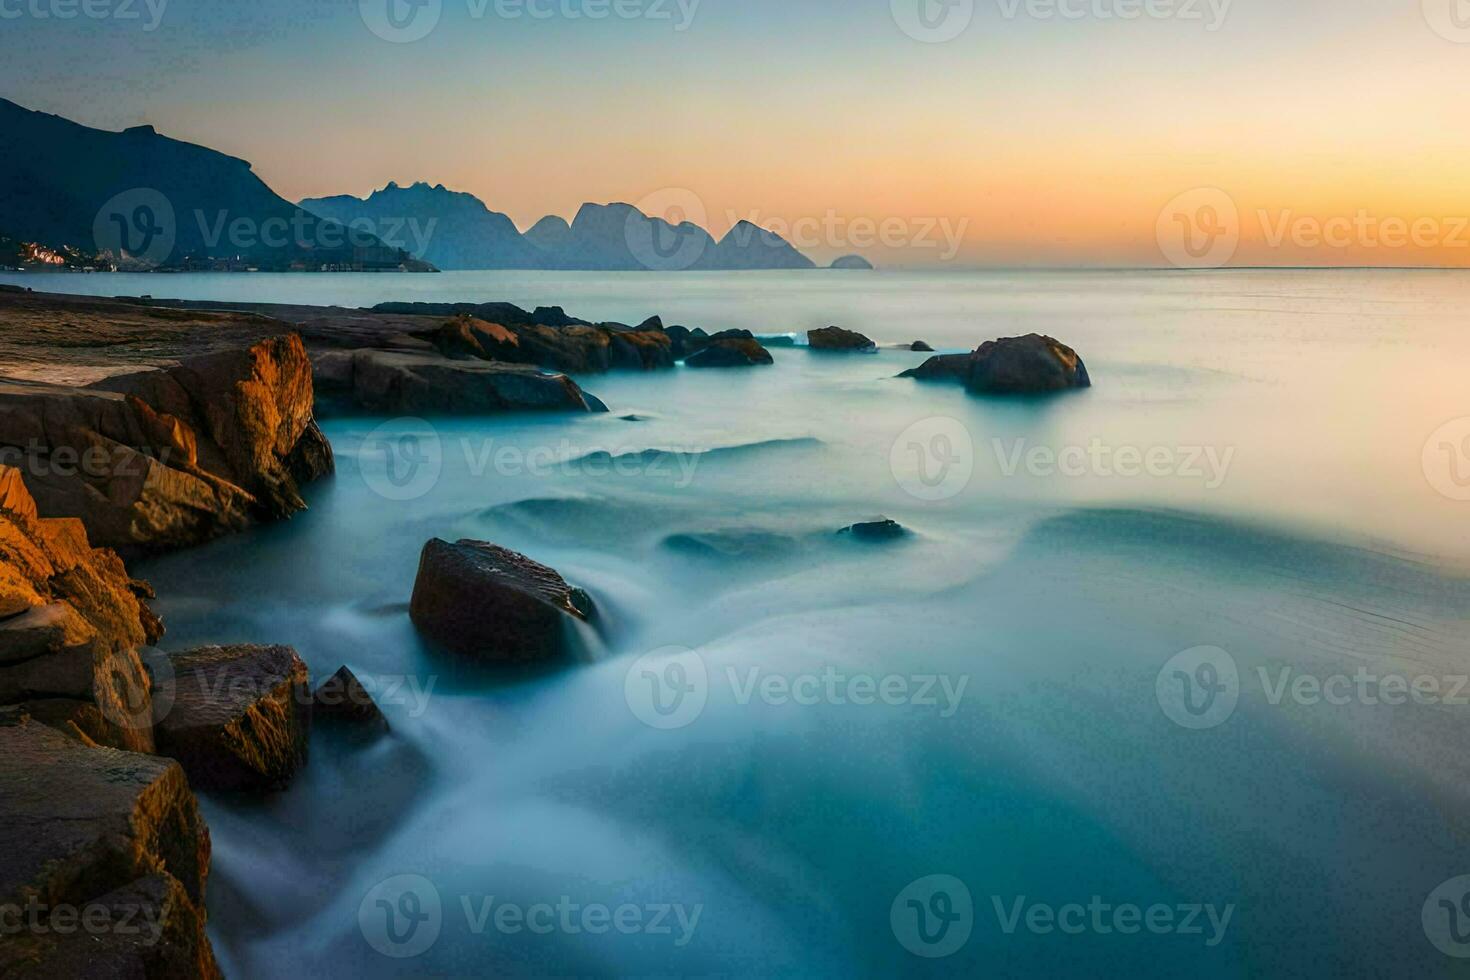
1167	677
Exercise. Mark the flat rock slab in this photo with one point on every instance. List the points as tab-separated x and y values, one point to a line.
236	718
491	603
408	382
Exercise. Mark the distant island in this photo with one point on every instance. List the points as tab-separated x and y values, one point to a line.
455	230
852	263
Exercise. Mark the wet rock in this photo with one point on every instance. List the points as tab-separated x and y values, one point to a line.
147	929
88	827
838	339
72	622
730	354
1012	365
684	341
236	718
488	602
342	699
880	529
171	457
407	383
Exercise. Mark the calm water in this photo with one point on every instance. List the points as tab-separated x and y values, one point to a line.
1264	470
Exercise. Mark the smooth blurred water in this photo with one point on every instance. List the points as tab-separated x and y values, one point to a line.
1326	538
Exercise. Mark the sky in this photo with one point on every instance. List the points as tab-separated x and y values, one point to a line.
915	132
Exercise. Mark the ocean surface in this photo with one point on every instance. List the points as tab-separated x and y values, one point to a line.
1167	678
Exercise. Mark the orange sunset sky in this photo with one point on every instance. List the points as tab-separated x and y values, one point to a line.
1050	139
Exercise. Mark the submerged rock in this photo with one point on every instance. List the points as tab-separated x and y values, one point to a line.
410	383
836	338
237	718
85	827
484	601
880	529
1012	365
730	353
342	699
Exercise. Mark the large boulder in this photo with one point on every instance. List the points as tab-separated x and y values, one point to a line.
488	602
838	339
1010	366
236	718
730	353
408	383
171	457
106	853
71	623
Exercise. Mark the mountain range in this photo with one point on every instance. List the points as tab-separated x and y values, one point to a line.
139	200
454	230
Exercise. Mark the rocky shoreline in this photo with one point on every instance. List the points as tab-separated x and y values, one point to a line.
133	426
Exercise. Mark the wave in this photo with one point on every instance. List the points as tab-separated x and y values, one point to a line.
716	452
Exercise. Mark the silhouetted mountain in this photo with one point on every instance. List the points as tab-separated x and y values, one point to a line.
149	201
747	246
457	231
550	234
452	230
852	263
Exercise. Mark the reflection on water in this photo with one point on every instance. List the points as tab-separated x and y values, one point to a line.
784	731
